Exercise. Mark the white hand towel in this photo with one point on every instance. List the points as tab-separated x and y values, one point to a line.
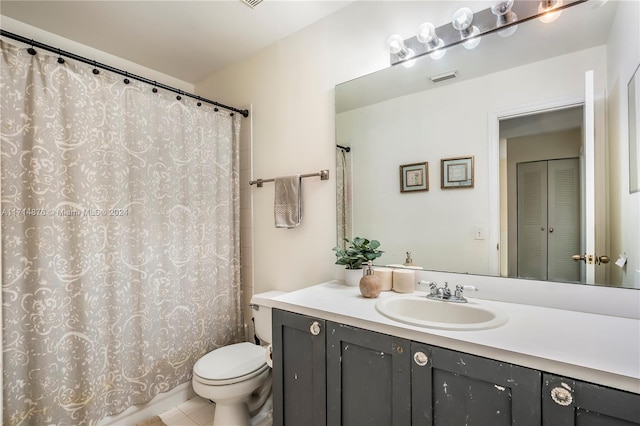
287	208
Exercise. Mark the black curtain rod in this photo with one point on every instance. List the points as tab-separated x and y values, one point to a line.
33	43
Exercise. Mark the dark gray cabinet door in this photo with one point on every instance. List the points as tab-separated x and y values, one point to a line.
568	402
299	384
452	388
368	378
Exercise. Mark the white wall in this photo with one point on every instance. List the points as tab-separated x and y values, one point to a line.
623	58
31	32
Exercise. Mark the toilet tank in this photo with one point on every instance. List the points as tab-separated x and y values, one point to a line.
262	314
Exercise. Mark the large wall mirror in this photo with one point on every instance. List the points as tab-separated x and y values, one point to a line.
543	113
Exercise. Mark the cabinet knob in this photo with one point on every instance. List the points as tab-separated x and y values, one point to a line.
314	328
562	395
421	358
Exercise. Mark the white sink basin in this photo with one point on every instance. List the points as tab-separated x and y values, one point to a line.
423	312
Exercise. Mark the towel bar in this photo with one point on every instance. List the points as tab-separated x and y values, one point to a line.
324	175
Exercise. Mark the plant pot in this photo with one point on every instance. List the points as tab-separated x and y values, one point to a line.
352	277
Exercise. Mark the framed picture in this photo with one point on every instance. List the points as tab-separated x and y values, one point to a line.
456	172
414	177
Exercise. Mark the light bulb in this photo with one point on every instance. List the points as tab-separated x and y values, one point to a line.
546	8
504	16
426	33
501	8
396	44
462	19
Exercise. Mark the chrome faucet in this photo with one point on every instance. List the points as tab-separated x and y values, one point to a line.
444	293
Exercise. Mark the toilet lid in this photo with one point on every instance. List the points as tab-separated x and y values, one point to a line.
231	361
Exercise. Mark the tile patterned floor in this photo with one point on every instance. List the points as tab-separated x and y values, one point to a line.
194	412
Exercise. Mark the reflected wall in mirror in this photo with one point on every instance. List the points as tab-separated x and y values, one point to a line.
396	115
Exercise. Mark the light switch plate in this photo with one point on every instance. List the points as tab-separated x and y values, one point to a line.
478	233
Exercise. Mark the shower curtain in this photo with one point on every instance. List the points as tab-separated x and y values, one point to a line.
343	196
120	239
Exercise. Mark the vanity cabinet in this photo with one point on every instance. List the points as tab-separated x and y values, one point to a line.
568	402
368	377
453	388
325	373
299	373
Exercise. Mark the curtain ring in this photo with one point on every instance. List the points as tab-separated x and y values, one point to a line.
179	97
155	89
126	80
31	50
95	69
199	103
60	58
216	109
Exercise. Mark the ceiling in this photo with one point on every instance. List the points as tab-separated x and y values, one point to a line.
188	40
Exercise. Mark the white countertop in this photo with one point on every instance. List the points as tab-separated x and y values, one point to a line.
591	347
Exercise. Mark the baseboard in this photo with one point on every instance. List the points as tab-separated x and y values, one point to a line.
158	405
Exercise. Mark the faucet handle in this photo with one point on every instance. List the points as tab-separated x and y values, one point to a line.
433	286
461	288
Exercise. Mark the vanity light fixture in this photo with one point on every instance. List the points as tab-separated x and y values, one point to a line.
547	9
461	21
466	27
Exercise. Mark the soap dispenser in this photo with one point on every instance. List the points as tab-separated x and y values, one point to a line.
370	285
408	261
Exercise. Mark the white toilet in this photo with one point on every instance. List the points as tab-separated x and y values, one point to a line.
237	377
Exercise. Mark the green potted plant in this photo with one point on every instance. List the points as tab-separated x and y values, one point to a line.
357	251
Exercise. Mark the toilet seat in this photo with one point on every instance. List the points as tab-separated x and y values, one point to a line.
230	364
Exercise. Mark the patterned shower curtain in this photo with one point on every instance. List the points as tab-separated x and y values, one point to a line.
120	239
343	196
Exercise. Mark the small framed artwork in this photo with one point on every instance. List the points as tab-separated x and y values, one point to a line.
414	177
456	172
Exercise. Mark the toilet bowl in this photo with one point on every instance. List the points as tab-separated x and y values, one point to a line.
237	377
